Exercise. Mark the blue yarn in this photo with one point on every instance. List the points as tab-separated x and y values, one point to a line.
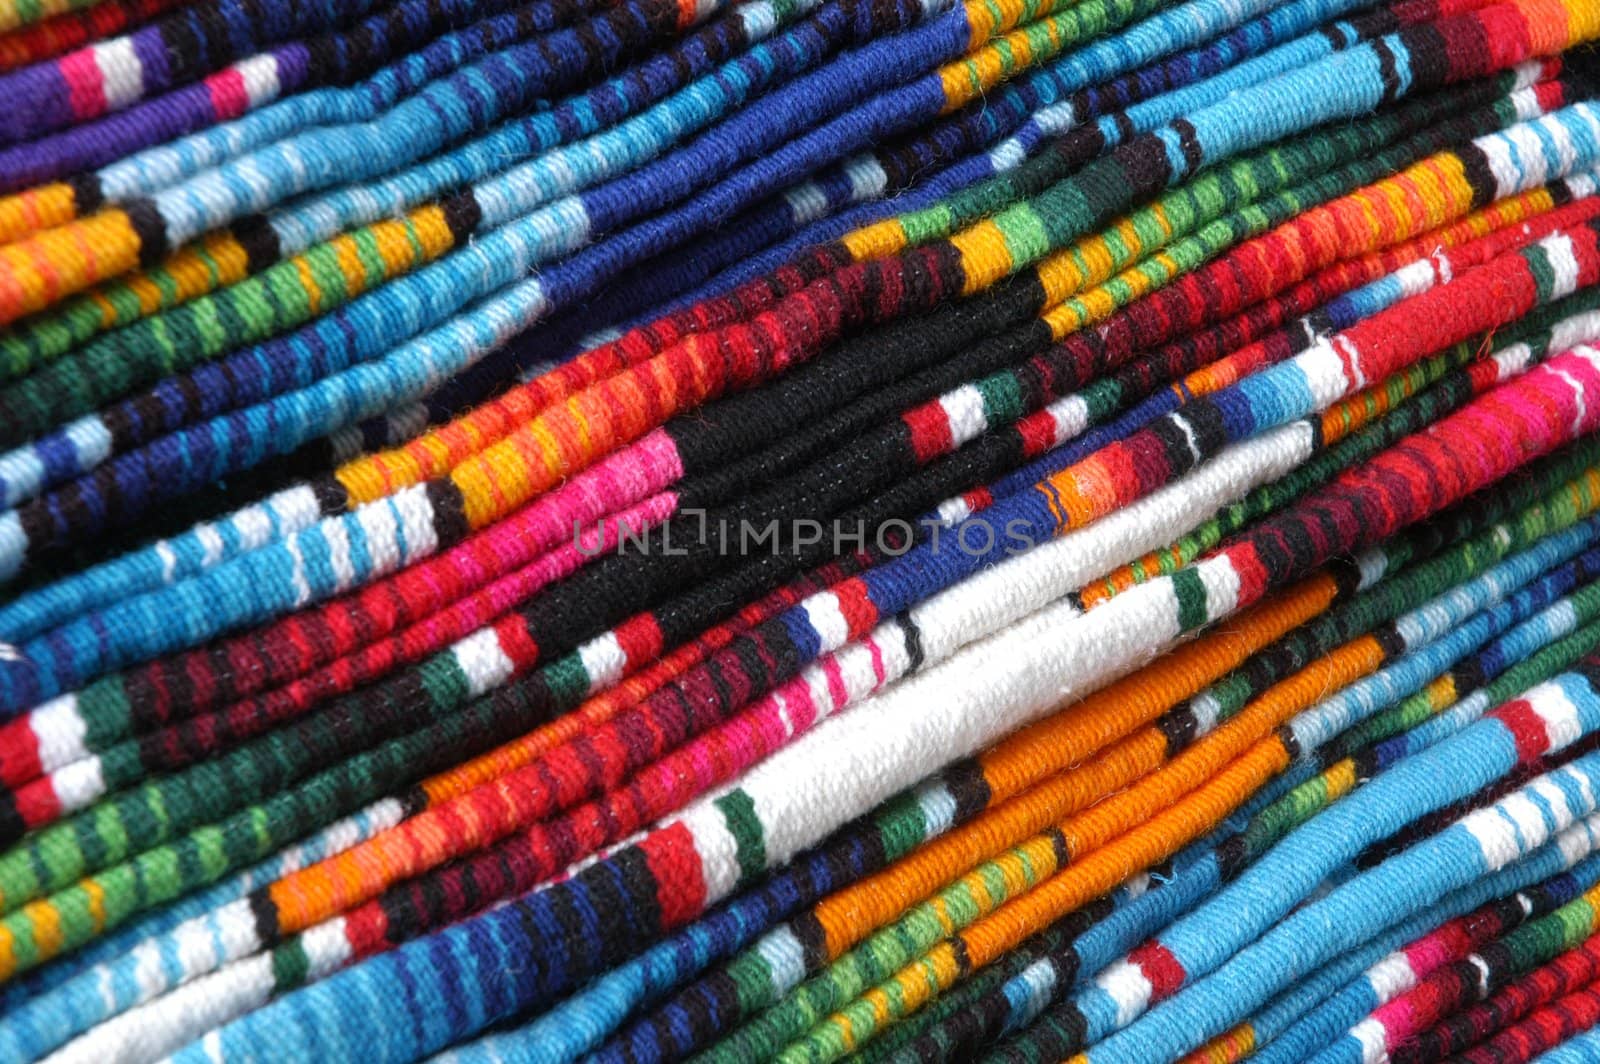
1364	906
1544	627
1437	635
35	611
336	1002
118	136
1328	1002
742	252
245	27
46	1007
330	148
258	372
247	437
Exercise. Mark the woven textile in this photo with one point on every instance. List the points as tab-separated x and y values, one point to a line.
899	530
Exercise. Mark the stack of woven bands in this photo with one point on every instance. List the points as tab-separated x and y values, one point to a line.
910	530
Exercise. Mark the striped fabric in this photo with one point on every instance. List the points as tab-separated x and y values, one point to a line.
899	530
